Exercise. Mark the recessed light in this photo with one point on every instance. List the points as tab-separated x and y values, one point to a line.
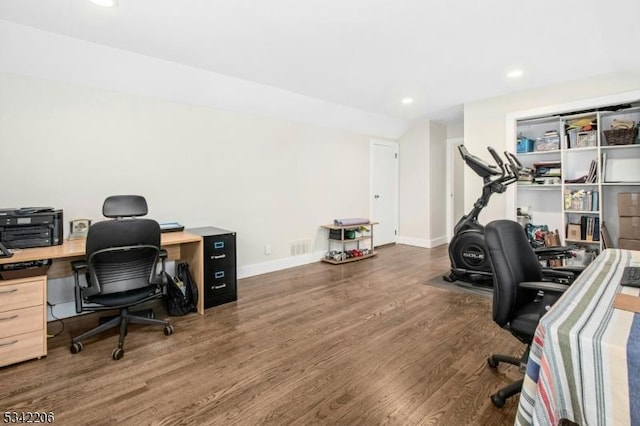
407	101
105	3
515	73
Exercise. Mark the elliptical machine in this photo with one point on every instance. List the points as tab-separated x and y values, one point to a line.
467	248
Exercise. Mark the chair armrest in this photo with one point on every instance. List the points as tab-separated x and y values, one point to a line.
78	265
161	277
544	286
575	270
546	253
557	273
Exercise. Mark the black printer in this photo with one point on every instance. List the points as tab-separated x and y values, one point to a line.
31	227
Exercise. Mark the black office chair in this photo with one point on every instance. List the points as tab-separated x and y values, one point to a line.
122	256
520	294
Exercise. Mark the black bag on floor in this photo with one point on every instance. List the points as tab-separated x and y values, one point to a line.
182	292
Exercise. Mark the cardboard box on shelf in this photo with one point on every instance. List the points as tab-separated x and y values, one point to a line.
629	204
624	243
629	227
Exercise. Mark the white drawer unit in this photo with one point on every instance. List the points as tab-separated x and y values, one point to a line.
23	326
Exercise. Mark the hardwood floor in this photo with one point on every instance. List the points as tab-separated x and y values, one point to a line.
362	343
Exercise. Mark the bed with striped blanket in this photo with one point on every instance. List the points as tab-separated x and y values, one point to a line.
584	363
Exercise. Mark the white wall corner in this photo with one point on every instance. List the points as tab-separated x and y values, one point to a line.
416	242
435	242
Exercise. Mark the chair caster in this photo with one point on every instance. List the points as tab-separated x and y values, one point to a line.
117	353
75	347
168	330
492	362
497	400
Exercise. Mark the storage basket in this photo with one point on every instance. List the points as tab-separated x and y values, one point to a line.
620	136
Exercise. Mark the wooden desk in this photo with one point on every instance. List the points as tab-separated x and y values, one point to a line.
179	245
585	356
23	308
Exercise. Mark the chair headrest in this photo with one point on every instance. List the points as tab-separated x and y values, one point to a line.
124	206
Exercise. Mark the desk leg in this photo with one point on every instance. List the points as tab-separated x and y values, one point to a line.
193	253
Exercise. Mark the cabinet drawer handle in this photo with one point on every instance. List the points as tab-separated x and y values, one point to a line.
217	287
8	343
220	256
9	318
9	291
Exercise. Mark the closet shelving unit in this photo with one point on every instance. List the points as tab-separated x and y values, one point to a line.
548	202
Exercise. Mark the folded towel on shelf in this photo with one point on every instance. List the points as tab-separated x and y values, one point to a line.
622	124
579	123
351	221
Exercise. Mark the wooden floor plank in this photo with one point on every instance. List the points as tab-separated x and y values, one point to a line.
367	342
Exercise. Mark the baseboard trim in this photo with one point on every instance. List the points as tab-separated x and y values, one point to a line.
419	242
438	241
278	264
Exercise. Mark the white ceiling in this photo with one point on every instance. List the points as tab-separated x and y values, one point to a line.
366	54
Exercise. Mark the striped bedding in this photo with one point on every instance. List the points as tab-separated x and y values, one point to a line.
584	363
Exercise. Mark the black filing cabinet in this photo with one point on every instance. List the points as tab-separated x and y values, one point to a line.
219	265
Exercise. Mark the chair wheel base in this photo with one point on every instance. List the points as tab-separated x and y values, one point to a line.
117	353
76	347
492	362
168	330
497	400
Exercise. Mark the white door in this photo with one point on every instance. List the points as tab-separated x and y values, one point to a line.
384	191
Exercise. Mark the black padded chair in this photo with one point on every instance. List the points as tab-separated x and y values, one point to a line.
121	262
520	293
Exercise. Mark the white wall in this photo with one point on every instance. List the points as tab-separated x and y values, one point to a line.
414	186
272	181
422	185
80	121
484	125
455	130
438	188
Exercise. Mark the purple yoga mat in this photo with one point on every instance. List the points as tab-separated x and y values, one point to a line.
351	221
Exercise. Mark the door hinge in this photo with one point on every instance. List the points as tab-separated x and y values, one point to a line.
396	155
395	232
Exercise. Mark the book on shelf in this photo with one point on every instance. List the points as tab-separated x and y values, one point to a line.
581	179
585	200
589	228
592	176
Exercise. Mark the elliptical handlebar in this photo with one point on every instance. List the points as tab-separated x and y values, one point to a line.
478	165
496	176
497	159
516	165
